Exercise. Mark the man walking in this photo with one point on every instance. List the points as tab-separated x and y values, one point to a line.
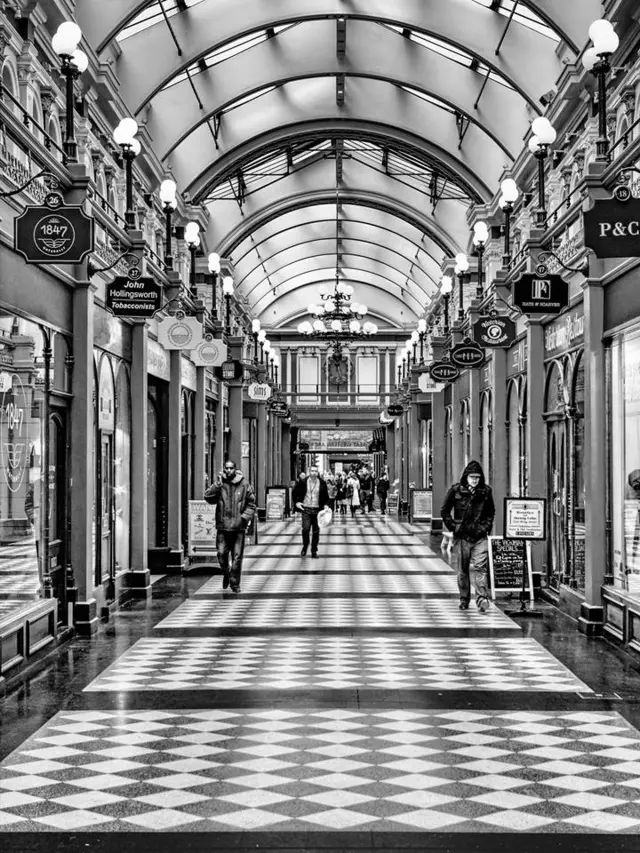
382	488
310	496
468	512
235	507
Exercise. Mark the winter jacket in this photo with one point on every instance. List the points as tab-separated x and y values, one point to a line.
235	502
469	515
383	485
300	493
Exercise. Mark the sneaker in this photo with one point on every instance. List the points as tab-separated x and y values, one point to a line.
464	605
314	555
483	606
225	580
303	553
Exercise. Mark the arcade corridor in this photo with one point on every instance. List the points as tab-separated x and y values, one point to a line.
344	703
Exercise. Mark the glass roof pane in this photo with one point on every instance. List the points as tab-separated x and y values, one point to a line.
523	15
152	15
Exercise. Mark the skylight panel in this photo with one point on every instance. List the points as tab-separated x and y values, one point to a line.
152	15
523	15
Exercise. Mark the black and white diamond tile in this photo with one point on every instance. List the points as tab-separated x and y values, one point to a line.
345	562
375	548
226	663
461	771
332	613
345	584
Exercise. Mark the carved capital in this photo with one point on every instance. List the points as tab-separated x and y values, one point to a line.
47	97
97	159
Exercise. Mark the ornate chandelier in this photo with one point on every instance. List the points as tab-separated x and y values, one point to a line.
338	320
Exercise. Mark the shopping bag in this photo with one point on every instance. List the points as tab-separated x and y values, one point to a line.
324	517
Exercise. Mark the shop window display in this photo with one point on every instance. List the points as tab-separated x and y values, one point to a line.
631	438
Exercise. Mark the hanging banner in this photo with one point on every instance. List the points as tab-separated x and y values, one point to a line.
612	226
209	353
534	294
259	391
498	331
53	233
180	332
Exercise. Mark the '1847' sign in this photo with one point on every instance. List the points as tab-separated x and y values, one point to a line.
53	233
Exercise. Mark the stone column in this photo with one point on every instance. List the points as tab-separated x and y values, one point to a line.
219	452
413	450
200	431
390	444
261	459
139	580
474	411
235	406
175	560
535	429
499	448
438	442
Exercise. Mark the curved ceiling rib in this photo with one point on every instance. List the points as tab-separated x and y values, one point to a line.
150	58
309	50
104	21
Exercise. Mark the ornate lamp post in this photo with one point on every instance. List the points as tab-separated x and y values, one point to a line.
507	200
74	62
480	237
596	59
422	331
227	290
123	136
213	264
544	135
169	204
461	267
446	286
255	330
192	236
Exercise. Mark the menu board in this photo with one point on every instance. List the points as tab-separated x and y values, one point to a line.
507	559
392	503
276	503
420	505
525	518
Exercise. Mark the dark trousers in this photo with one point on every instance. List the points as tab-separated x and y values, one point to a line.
383	501
230	545
310	523
365	500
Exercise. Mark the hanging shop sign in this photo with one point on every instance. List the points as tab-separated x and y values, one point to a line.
54	233
444	371
232	369
259	391
494	332
467	354
209	353
395	410
279	407
612	226
133	295
540	294
180	332
303	446
428	385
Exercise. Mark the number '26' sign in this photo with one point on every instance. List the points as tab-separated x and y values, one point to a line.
54	233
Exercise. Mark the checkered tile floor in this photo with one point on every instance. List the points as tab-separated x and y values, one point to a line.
223	663
346	562
363	549
344	584
462	771
332	613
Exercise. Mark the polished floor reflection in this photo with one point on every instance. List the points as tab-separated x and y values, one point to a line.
335	703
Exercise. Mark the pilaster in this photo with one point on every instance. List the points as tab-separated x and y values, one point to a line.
175	560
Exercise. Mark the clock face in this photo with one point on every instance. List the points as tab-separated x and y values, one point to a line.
338	372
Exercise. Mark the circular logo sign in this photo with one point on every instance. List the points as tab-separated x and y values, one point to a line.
394	410
54	235
209	352
179	334
494	331
135	273
442	371
541	269
622	193
467	355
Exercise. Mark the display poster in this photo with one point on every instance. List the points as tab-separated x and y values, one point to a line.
420	505
393	501
276	503
525	518
202	529
507	558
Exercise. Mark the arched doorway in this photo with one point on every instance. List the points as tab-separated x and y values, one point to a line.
557	481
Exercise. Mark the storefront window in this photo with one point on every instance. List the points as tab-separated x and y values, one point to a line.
22	419
513	457
629	479
578	498
122	469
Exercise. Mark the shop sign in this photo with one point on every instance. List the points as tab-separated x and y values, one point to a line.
232	369
53	233
525	518
202	529
16	421
395	410
564	332
428	385
157	360
467	354
444	371
259	391
498	331
133	295
279	408
180	332
545	294
303	445
188	374
209	353
612	226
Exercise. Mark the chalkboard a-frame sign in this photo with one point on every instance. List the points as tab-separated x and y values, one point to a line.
507	559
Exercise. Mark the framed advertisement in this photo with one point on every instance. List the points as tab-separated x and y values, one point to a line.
420	505
525	518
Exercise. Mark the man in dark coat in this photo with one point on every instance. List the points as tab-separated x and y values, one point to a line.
382	488
468	512
235	507
309	497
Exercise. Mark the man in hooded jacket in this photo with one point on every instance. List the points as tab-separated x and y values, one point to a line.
468	512
235	507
